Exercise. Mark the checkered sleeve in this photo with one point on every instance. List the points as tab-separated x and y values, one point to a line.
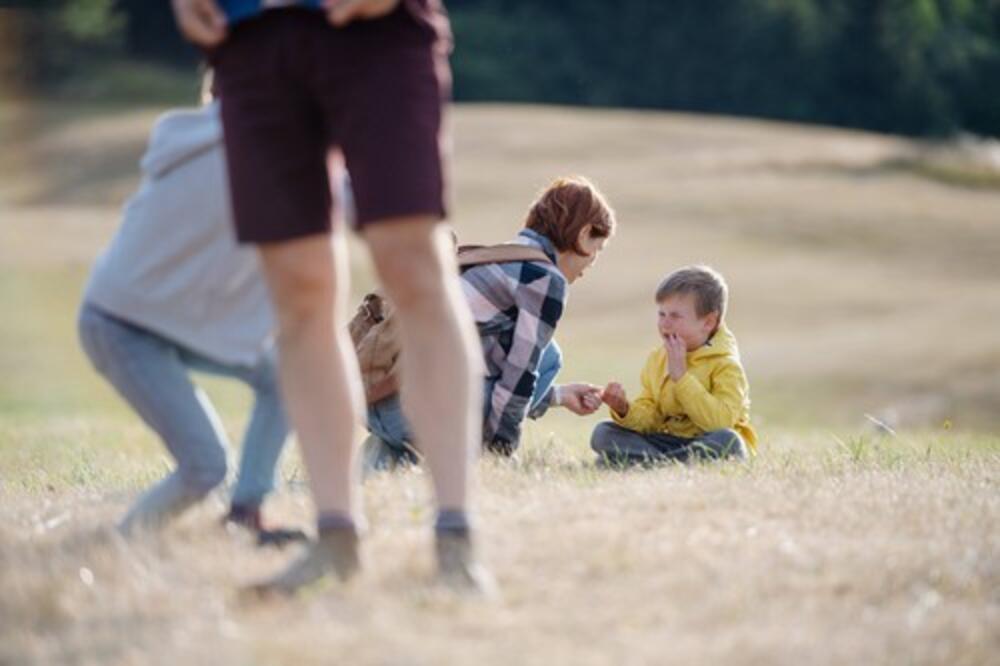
539	298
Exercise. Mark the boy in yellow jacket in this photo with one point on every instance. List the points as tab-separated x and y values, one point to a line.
695	400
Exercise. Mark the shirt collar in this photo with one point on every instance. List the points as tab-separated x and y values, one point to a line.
541	241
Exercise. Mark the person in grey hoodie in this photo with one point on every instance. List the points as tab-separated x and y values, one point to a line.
174	293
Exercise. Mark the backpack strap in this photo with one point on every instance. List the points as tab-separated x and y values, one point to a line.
477	255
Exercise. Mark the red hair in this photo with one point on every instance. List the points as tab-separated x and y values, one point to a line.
567	206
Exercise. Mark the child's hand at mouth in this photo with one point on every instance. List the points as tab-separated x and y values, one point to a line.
676	356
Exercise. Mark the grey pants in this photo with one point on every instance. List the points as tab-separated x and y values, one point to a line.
620	446
152	374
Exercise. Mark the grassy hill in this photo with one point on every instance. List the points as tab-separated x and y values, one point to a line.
863	280
859	284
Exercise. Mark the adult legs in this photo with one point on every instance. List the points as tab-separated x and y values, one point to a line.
323	396
441	367
318	368
263	441
148	372
442	371
264	437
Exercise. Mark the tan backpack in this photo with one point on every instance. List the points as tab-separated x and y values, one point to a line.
373	328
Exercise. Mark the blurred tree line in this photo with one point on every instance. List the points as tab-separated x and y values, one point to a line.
927	67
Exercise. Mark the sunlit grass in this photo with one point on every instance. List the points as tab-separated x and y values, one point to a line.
885	542
841	542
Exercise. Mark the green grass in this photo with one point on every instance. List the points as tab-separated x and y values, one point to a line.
879	549
950	172
836	544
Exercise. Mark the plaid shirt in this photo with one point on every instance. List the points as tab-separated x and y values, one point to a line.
516	306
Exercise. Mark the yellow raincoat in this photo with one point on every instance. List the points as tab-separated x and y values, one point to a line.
713	394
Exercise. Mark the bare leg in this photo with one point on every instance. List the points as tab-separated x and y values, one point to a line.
441	378
321	385
319	371
441	374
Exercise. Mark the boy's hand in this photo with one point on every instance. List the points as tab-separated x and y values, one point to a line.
200	21
676	357
581	399
615	398
342	12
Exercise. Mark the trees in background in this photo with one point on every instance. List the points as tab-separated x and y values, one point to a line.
906	66
48	40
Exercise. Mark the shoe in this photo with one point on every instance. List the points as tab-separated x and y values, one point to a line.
250	518
379	456
243	516
334	555
375	456
458	566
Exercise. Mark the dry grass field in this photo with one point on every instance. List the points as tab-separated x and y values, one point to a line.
864	279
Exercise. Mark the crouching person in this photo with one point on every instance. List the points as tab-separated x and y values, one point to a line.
173	294
517	292
695	401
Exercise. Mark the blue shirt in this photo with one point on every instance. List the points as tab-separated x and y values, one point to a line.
429	14
239	10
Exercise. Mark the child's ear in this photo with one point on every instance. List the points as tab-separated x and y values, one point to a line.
712	320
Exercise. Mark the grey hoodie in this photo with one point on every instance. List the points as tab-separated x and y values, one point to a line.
174	266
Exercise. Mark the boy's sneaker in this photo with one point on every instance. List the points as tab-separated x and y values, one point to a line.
458	566
334	554
250	519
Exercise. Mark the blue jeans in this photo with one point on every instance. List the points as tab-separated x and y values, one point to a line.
152	374
386	420
617	445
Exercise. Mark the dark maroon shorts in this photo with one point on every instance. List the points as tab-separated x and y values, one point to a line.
294	89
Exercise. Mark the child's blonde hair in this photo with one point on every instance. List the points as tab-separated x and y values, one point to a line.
709	288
